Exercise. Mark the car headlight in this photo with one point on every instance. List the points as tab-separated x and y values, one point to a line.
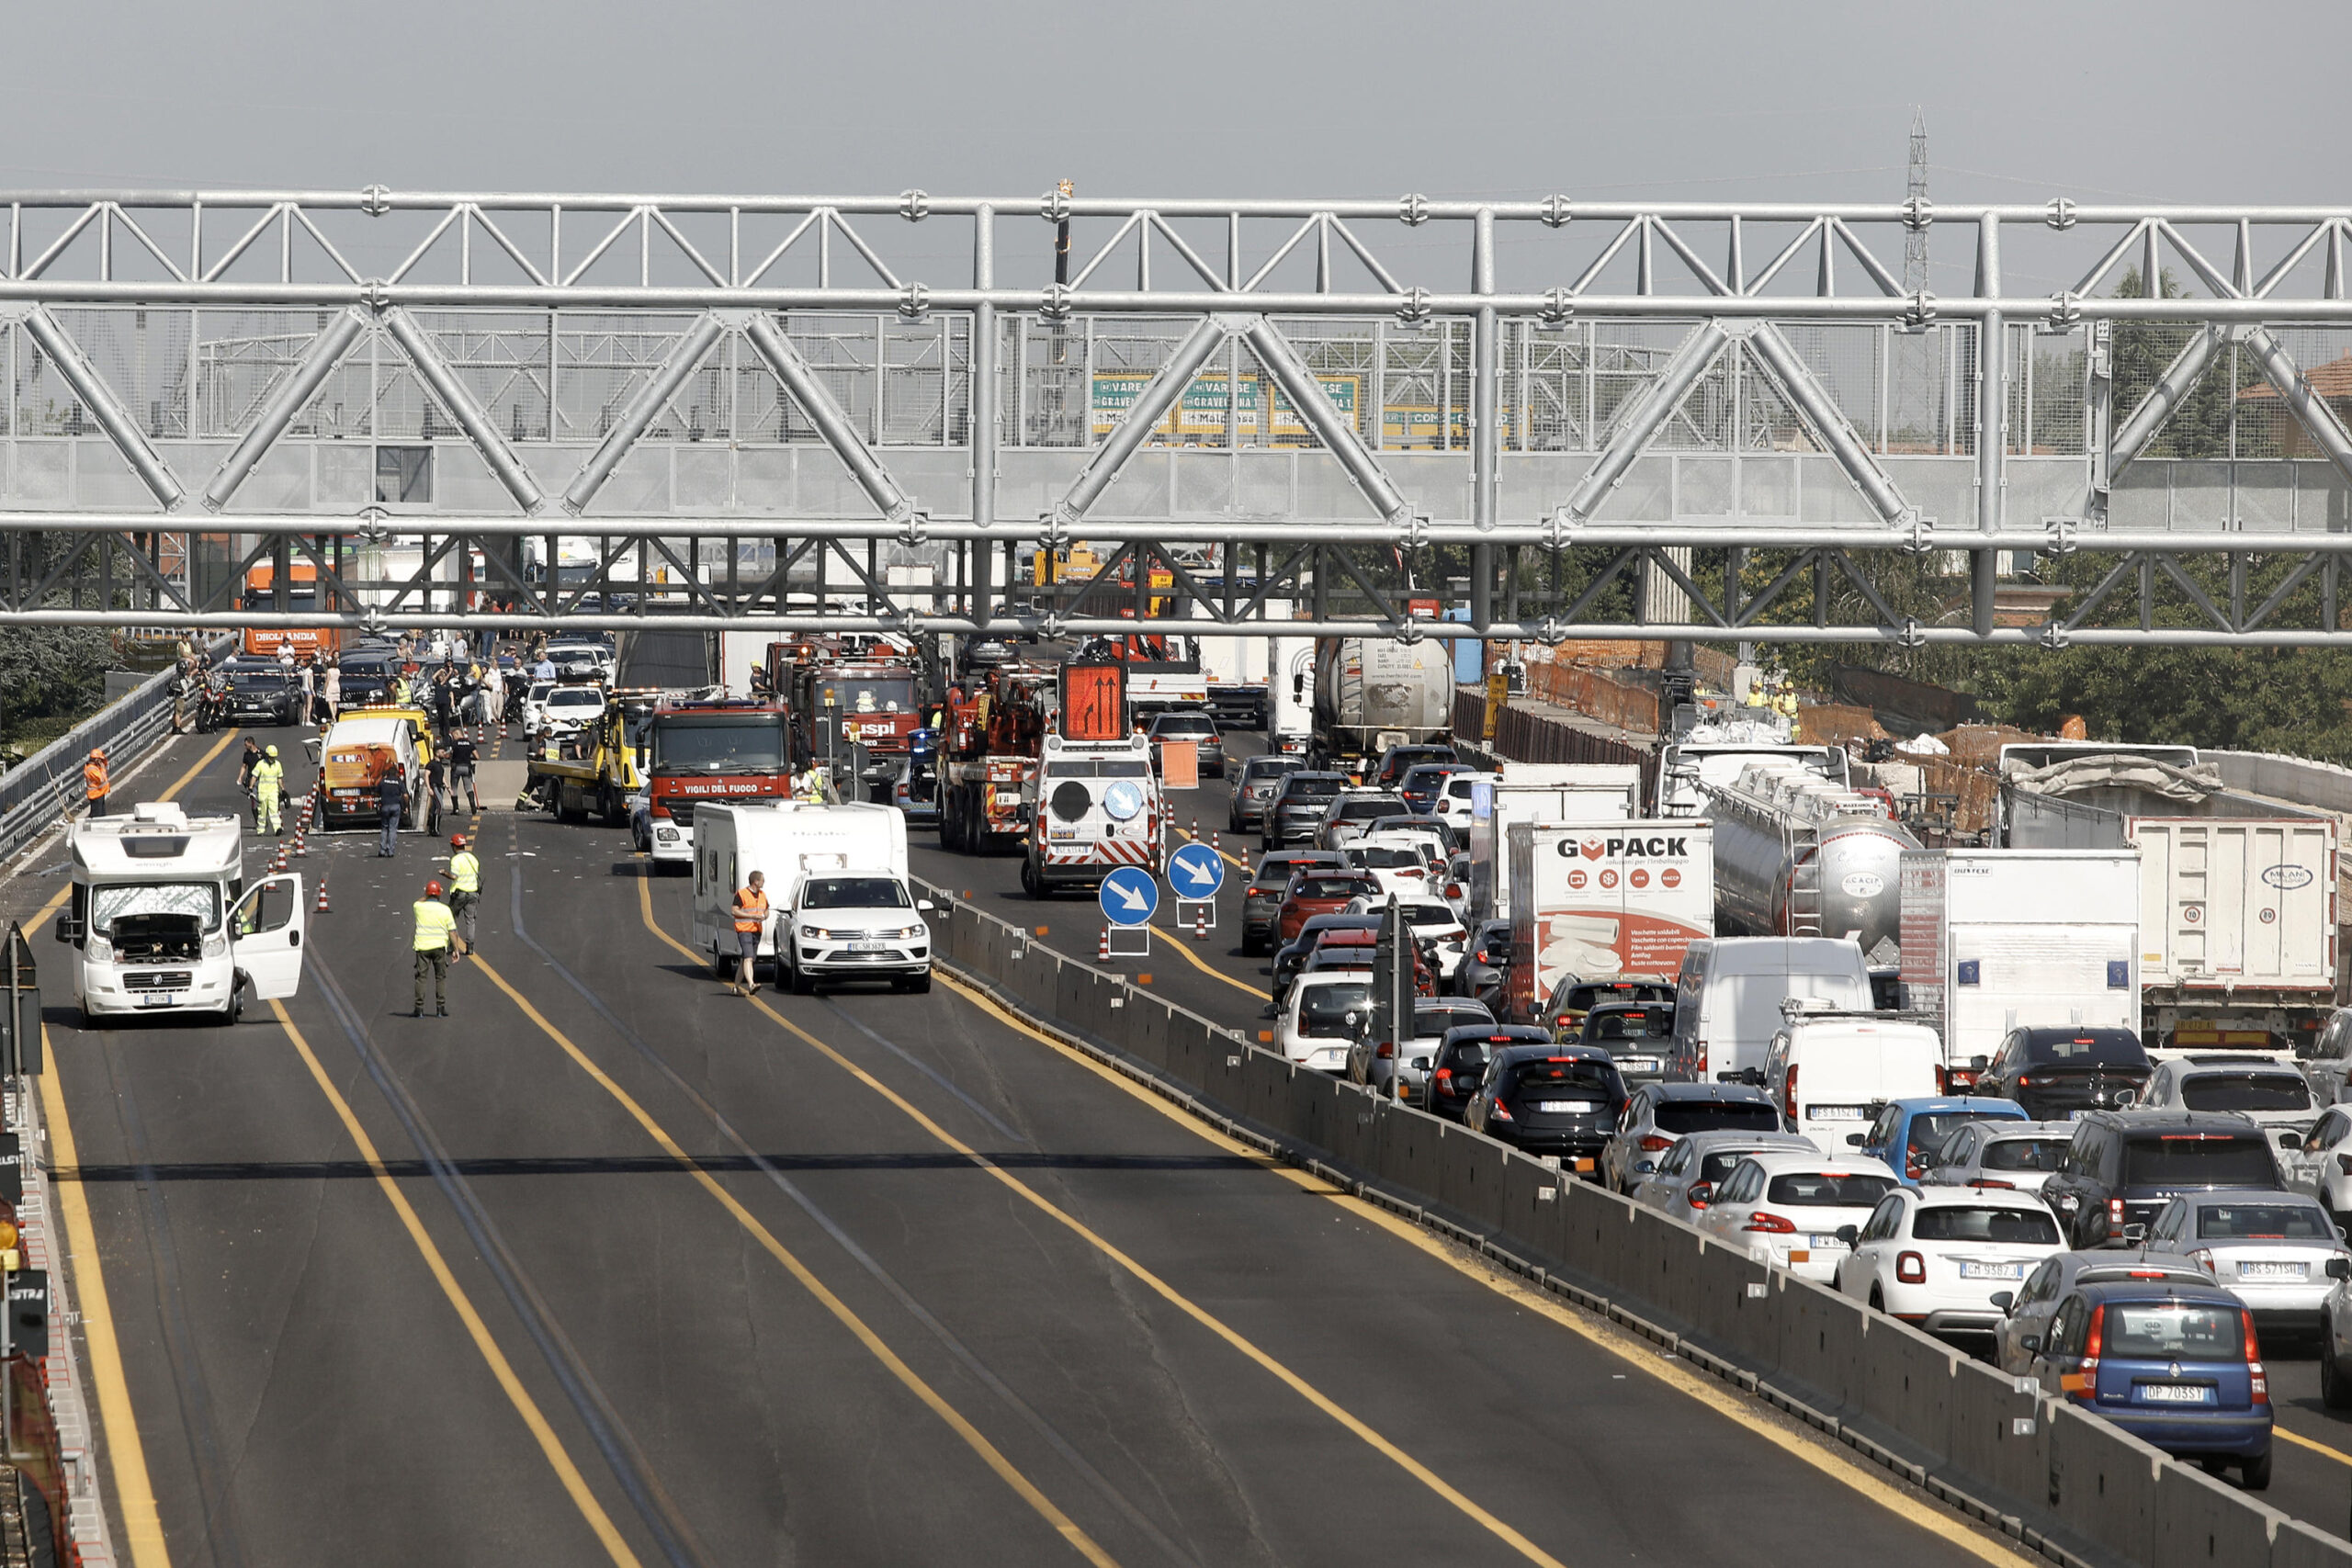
216	946
819	933
98	947
909	931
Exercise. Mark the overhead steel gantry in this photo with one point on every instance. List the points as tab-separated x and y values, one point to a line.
1580	419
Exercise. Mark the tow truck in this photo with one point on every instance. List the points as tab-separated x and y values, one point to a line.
599	767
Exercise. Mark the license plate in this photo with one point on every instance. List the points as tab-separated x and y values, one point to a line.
1638	1063
160	999
1827	1244
1838	1112
1567	1107
866	947
2176	1392
2273	1270
1991	1270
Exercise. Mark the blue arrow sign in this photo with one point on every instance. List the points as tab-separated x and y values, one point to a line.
1130	896
1195	871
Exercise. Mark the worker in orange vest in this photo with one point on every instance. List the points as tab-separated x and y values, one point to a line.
750	921
94	781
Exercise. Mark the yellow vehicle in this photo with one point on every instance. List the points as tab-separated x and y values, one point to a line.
599	769
356	749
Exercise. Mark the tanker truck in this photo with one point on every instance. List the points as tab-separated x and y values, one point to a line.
1798	855
1375	693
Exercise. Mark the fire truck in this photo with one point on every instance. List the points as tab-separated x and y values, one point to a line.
1095	805
993	743
698	749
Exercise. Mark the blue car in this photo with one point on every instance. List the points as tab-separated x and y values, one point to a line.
2173	1362
1908	1131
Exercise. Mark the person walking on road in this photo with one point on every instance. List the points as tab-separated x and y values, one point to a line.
269	792
246	762
463	756
436	931
751	919
331	696
392	799
95	782
465	889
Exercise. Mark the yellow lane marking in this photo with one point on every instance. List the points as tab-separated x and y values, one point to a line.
1222	853
2339	1455
1152	1281
973	1438
1176	943
134	1492
1831	1463
520	1398
143	1526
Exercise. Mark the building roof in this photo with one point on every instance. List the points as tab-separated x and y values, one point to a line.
2331	380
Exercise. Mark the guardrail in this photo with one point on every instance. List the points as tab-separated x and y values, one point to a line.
41	790
2063	1484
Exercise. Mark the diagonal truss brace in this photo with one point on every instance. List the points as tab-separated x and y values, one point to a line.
1335	429
2169	393
1151	404
800	379
1645	419
2310	411
100	399
1820	411
465	408
692	345
327	352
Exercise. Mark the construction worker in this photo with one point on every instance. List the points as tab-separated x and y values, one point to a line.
751	919
94	781
436	930
269	789
463	756
399	690
465	889
391	800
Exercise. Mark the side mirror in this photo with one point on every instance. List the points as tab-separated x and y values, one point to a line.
2339	1268
924	905
1645	1167
2126	1096
1856	1140
1700	1194
65	928
2030	1344
2135	1236
2003	1300
1978	1063
1849	1234
2291	1140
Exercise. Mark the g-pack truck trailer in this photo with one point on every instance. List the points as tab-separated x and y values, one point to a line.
2237	894
1995	940
1600	899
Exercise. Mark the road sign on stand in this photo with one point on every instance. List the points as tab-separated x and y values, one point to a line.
1130	896
1195	871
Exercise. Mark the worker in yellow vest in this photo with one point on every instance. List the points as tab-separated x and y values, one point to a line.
465	889
436	931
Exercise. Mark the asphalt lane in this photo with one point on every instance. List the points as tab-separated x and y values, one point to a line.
858	1278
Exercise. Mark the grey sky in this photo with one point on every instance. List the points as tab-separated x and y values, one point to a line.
1714	98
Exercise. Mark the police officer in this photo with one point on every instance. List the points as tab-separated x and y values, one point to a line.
463	756
436	929
751	919
269	789
465	889
392	799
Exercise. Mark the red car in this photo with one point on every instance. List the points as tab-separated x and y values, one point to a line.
1320	893
1350	949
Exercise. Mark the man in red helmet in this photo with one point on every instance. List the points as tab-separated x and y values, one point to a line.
437	931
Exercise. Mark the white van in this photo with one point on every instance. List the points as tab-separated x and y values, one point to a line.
1728	993
792	841
1831	1071
162	920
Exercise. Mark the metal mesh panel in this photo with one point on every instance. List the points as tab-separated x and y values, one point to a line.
1918	365
240	357
142	355
1544	387
501	359
602	361
2049	399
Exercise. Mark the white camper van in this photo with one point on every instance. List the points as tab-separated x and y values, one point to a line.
836	883
162	920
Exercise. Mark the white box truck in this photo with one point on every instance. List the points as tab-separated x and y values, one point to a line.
1995	940
1601	900
837	890
1542	793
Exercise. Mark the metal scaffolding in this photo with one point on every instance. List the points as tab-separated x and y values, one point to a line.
2113	424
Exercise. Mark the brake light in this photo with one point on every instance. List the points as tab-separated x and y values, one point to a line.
1943	1078
1652	1142
1454	890
1388	1048
1988	1182
2343	1164
2025	1080
1910	1268
1702	1061
1793	1091
2092	1346
1769	1222
2258	1380
1444	1076
2203	1258
2115	1217
1503	1112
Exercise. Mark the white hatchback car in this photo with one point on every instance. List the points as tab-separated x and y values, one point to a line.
2270	1249
2323	1167
1321	1017
1684	1182
1787	1209
2004	1156
1454	800
1436	926
1400	866
1935	1255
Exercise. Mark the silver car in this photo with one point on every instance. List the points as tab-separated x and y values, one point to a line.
2000	1156
2272	1094
2323	1167
2030	1310
1680	1181
1375	1062
2271	1249
1254	791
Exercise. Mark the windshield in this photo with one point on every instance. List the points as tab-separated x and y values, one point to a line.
1333	1012
2017	1227
2175	1331
257	680
1431	1022
1716	1163
2024	1153
1172	727
1429	915
1362	810
1930	1130
1545	1076
752	744
2200	1160
1632	1023
2101	1047
1385	858
576	697
854	892
200	899
1828	1189
2263	1221
1584	999
2246	1091
871	693
1331	886
1297	786
1680	1116
1090	767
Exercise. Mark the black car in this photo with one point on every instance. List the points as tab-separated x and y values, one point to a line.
1298	806
1424	780
1461	1061
2055	1072
365	678
1293	956
1550	1100
262	693
2123	1167
1261	901
1398	761
1254	791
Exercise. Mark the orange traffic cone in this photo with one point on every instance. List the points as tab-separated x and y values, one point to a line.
323	895
1200	925
1102	948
